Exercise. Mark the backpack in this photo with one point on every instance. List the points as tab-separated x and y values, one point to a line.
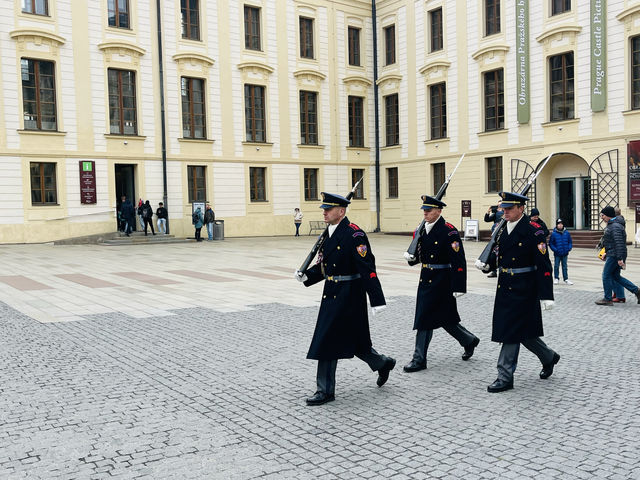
195	217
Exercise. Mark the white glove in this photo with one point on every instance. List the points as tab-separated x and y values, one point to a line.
547	304
301	277
458	294
408	257
376	310
482	266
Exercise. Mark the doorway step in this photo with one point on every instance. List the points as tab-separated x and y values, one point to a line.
585	238
139	238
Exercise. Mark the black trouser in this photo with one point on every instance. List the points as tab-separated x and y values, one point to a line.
326	376
423	338
148	221
198	233
508	358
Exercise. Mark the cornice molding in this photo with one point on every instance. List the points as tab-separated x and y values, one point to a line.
120	46
255	66
559	31
38	36
192	57
490	50
357	79
310	73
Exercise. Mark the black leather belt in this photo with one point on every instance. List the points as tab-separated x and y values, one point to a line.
436	266
513	271
341	278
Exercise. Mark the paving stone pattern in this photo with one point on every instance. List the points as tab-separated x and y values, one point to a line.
204	394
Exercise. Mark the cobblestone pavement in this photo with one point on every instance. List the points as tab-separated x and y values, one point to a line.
218	393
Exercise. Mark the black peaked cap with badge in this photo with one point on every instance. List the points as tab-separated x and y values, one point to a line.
430	202
330	200
510	199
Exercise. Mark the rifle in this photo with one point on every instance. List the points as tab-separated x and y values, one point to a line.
323	236
443	188
484	256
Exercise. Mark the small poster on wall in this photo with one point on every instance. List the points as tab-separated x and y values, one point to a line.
633	171
88	182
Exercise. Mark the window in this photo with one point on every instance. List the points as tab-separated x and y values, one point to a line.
560	6
257	184
38	94
492	17
37	7
356	175
354	46
254	113
435	17
43	184
194	118
438	176
310	184
356	128
392	182
392	126
251	28
118	13
438	97
197	179
494	100
494	174
122	102
390	44
308	118
306	37
561	68
635	73
190	19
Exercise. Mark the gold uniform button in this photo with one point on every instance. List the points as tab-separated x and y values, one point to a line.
431	256
435	243
338	247
420	279
500	256
512	258
334	264
429	281
334	296
498	286
324	296
520	244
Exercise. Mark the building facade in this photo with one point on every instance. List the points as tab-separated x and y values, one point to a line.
257	106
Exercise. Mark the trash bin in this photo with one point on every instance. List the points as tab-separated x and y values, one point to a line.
218	230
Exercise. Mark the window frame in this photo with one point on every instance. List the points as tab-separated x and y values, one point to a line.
356	132
567	96
310	179
359	193
392	182
252	110
634	65
252	28
42	189
187	24
121	107
494	174
257	193
116	10
192	183
494	100
38	93
492	17
439	131
307	47
353	41
191	106
392	120
438	175
436	33
558	7
34	4
390	44
308	117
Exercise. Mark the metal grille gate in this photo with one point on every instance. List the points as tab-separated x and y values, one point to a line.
520	172
603	172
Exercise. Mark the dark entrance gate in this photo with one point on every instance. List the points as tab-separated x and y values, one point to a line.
604	184
520	173
125	184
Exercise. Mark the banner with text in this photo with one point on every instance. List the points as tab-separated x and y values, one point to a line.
633	171
522	60
88	182
598	55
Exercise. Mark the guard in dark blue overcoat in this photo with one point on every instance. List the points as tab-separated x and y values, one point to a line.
443	277
347	265
524	284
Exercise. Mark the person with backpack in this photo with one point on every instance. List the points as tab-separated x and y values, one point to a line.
560	244
147	216
197	219
209	220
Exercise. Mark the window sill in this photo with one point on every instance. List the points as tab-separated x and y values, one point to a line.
313	147
359	149
194	41
195	140
559	123
437	140
392	198
45	205
492	132
51	133
261	202
258	144
125	137
391	147
125	30
631	112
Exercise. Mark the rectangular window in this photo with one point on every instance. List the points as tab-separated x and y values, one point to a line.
190	11
37	7
118	13
392	182
438	98
194	119
390	44
392	127
435	17
258	184
254	111
122	102
308	118
38	94
439	176
494	174
492	17
494	100
356	122
561	86
43	183
354	46
560	6
635	73
310	184
196	176
356	175
306	37
251	28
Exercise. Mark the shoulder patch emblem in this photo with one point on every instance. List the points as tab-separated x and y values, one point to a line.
450	225
537	225
455	246
539	232
354	226
362	250
542	247
372	275
452	232
358	234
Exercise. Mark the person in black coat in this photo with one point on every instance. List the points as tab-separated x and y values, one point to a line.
535	217
524	284
147	216
347	265
443	278
128	214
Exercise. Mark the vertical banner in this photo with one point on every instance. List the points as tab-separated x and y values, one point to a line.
522	60
88	182
598	55
633	172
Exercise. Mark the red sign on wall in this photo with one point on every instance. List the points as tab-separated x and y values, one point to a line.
88	182
466	208
633	171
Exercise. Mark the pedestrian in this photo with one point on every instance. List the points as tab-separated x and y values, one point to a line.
147	216
524	285
560	244
128	215
535	217
139	212
443	277
297	220
209	221
494	214
347	264
162	215
614	240
618	295
197	219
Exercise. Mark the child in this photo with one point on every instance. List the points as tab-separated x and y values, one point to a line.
560	243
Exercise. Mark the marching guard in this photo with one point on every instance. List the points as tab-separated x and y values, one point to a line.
524	285
347	265
443	277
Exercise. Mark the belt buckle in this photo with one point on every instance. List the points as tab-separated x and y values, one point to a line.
330	278
504	270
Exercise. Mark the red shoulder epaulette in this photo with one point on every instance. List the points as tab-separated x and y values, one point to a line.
452	227
537	225
354	226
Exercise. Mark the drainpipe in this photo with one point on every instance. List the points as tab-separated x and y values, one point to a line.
162	119
377	118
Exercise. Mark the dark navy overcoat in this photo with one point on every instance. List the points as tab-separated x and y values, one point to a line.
342	328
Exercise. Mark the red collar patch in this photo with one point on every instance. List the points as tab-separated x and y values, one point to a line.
449	225
537	225
354	226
